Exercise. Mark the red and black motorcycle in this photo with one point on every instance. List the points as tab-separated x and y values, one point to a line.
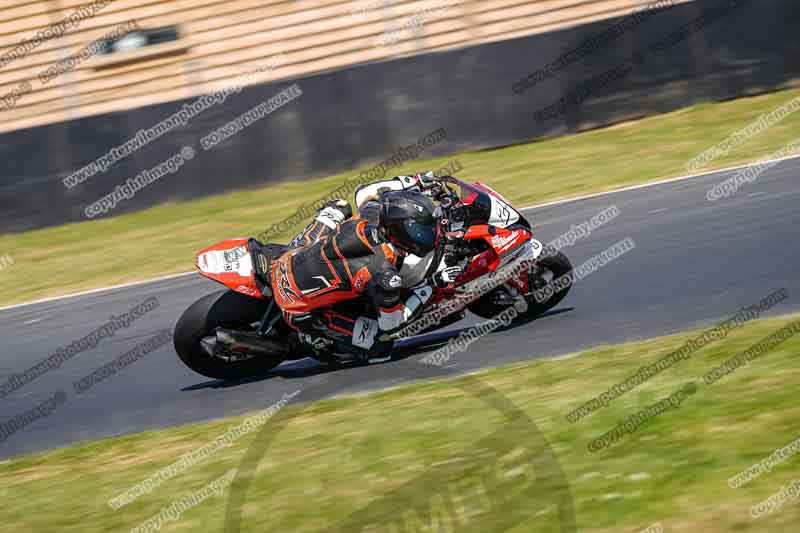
242	332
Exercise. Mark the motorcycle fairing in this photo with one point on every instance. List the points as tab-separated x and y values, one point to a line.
229	262
491	207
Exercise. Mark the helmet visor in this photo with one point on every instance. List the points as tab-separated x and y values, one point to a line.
423	235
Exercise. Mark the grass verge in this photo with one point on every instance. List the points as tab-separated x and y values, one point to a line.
411	443
164	239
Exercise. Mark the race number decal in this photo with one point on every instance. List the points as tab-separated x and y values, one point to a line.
503	215
536	248
224	261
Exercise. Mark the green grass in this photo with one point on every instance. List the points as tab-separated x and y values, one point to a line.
400	449
164	239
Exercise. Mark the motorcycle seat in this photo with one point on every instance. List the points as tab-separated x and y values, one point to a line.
263	255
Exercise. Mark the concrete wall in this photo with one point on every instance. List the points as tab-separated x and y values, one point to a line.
363	114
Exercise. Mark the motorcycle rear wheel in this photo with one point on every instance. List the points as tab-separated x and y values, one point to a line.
225	309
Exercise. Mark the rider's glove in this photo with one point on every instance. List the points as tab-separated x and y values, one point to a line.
447	275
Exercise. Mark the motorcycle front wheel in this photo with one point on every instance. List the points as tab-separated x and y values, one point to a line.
541	277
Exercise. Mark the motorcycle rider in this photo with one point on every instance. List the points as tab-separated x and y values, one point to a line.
339	257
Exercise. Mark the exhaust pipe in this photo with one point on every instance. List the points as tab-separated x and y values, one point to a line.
234	345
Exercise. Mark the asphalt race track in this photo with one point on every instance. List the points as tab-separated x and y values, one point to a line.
695	262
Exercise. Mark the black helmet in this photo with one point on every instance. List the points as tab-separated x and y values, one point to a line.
407	220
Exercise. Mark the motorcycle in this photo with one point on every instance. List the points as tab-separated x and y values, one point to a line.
241	332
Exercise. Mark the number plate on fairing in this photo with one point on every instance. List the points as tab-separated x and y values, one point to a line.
224	261
503	215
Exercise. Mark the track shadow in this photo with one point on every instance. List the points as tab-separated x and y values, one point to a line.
526	321
304	368
434	340
301	368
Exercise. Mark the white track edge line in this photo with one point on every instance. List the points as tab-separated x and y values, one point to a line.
94	291
526	208
654	183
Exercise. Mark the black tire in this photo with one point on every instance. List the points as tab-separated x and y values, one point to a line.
557	265
219	309
548	268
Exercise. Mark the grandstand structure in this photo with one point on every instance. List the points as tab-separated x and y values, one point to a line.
53	67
